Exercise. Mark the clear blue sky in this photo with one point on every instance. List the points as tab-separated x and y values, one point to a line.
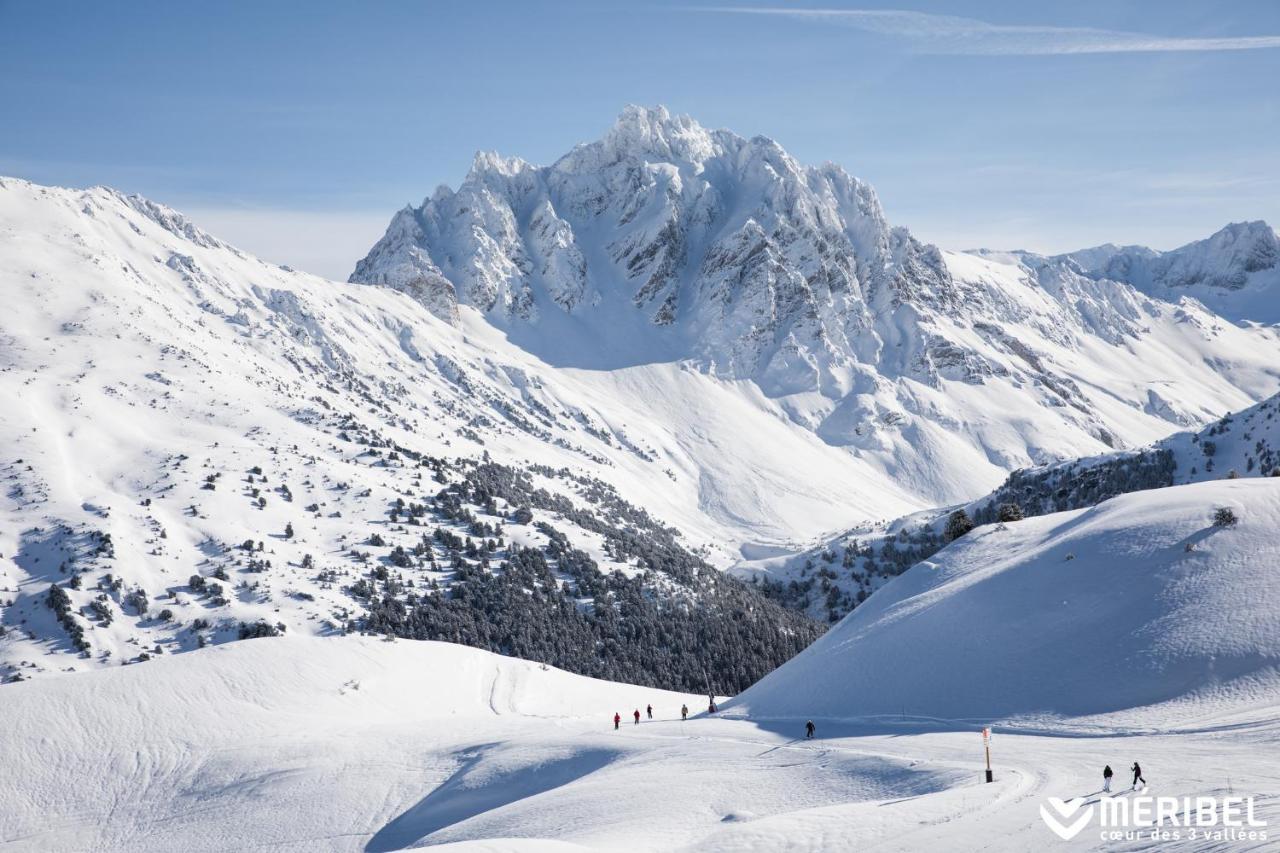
295	129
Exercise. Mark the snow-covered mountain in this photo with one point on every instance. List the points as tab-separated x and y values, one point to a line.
201	447
665	241
474	442
1235	272
1167	597
504	437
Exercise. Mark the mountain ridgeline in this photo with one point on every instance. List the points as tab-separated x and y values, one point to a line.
774	271
831	580
214	449
666	241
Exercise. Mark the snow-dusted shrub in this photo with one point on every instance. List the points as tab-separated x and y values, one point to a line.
261	628
137	599
958	524
1009	512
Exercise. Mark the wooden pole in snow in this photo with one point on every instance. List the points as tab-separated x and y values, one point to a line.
986	745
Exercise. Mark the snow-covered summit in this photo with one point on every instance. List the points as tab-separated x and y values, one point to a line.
667	242
725	248
655	133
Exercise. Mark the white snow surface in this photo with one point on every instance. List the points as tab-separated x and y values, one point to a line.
314	744
1097	615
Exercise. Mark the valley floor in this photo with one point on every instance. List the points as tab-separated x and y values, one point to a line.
358	744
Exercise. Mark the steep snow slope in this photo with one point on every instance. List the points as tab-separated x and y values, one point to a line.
198	444
1239	444
1235	272
81	268
1140	601
668	242
831	578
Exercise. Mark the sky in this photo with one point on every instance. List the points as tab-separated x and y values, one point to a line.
295	130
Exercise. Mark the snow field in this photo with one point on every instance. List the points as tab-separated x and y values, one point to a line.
357	744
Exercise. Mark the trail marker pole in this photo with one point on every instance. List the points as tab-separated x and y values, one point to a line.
986	745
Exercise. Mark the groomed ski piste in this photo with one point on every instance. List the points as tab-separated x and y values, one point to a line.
1137	630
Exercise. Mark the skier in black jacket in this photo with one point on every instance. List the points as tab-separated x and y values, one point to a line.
808	729
1137	776
1106	778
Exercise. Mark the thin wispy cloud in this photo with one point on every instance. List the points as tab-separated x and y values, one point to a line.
949	34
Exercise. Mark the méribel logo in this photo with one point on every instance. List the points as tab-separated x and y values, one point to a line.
1065	817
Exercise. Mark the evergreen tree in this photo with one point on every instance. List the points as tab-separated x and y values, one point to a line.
1009	512
958	524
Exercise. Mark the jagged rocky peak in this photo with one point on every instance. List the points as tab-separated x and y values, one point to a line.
654	133
772	268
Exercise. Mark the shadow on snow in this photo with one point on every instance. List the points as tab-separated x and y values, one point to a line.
457	799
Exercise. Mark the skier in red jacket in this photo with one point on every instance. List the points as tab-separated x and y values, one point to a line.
617	718
637	716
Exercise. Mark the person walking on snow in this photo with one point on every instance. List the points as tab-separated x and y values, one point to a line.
617	718
1106	779
684	712
1137	776
808	729
637	716
649	710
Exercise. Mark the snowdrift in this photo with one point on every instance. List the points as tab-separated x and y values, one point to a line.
1138	601
316	678
281	740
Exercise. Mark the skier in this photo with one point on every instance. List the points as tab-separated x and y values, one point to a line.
617	718
684	712
1106	779
808	729
649	710
1137	776
637	716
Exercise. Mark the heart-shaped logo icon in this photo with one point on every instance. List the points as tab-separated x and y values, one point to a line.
1057	815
